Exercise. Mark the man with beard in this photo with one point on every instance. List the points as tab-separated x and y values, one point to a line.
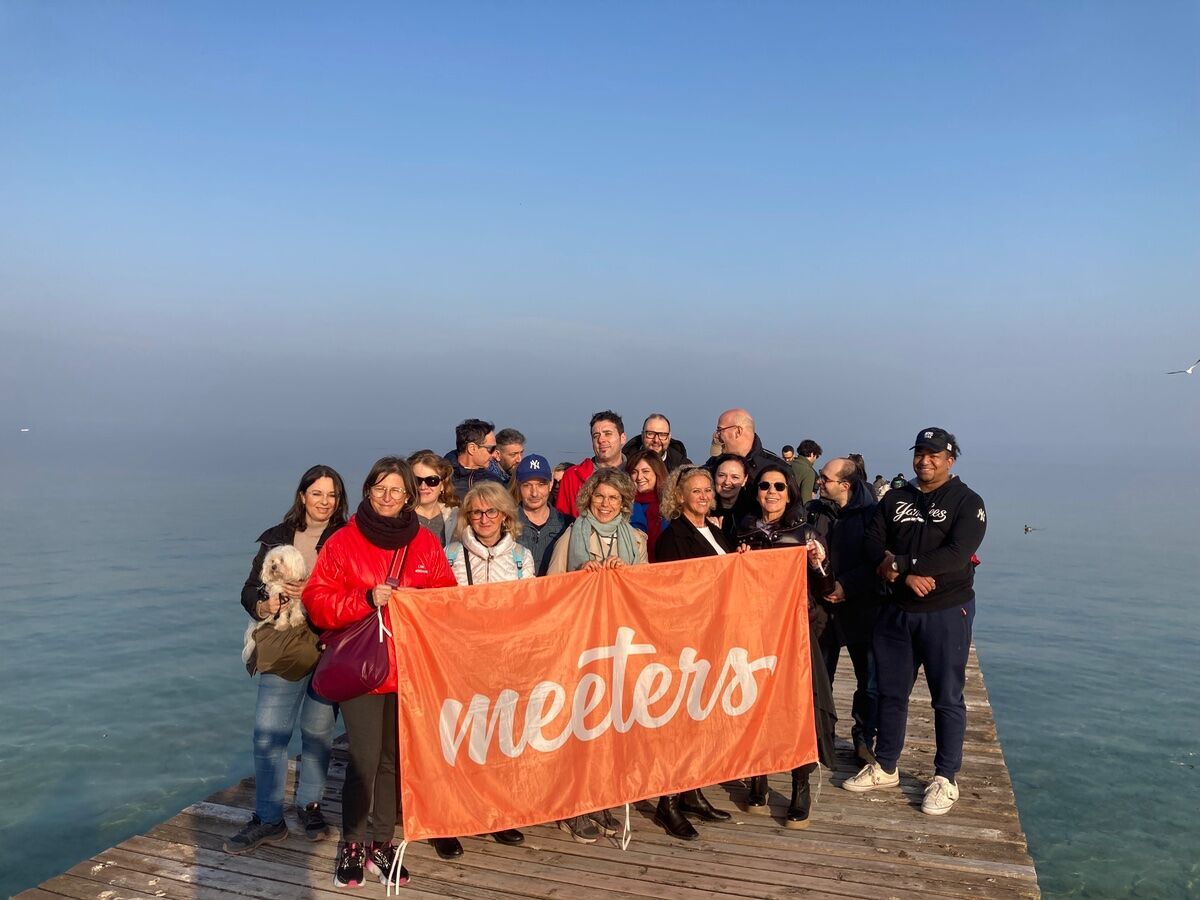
924	536
656	436
839	519
608	437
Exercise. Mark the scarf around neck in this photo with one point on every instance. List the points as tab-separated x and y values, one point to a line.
578	551
386	532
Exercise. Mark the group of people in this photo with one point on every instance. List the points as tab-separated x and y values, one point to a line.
891	580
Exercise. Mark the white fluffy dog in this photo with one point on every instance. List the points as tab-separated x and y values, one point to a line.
281	564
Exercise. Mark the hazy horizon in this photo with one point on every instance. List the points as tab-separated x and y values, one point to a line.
233	227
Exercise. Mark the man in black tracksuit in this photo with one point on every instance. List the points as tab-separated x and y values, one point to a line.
924	537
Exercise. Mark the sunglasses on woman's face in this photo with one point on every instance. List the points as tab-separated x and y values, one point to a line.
429	480
779	486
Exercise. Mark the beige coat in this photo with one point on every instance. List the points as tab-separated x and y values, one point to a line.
558	556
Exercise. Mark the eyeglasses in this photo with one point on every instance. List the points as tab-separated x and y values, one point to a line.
721	428
663	435
395	493
779	486
428	480
490	448
830	480
477	515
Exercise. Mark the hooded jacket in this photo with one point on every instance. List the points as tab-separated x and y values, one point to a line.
506	561
675	456
933	534
843	532
350	567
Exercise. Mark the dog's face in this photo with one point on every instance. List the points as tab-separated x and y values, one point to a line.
284	563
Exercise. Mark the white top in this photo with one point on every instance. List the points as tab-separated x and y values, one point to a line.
707	533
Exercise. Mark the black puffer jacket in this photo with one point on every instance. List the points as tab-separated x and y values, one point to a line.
843	532
252	590
676	452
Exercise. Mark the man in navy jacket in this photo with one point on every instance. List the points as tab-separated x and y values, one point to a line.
923	539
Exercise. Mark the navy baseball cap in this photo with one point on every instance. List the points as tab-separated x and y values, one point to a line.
534	466
936	439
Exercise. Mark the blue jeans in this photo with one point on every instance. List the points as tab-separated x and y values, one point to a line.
940	641
279	703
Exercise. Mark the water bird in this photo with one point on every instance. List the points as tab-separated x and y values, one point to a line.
1187	371
1029	528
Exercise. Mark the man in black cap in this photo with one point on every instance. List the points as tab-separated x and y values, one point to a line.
923	538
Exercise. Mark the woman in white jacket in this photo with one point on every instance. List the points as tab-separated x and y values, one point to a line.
485	552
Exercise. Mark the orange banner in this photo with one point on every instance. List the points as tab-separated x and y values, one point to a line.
546	698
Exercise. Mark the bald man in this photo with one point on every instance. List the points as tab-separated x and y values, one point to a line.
735	433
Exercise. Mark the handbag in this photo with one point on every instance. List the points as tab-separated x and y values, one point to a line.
290	654
355	661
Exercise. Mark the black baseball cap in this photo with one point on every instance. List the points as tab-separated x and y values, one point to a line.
936	439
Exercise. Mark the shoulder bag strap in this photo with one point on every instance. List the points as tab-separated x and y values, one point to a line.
394	571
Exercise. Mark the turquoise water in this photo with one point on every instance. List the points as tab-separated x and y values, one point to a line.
124	698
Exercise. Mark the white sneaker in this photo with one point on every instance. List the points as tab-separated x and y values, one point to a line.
871	776
939	796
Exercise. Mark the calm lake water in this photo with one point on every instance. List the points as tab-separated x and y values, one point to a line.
124	699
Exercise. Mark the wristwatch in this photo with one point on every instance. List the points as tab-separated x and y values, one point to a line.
895	567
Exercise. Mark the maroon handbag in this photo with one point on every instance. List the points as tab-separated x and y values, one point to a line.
355	661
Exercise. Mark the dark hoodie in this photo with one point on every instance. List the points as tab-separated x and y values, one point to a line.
933	534
676	455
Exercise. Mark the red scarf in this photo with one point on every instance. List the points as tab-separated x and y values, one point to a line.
653	520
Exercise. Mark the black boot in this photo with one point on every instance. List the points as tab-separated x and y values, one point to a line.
756	799
694	803
669	817
447	847
798	809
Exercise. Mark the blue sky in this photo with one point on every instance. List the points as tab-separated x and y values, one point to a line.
855	219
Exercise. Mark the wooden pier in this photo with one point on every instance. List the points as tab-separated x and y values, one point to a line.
878	844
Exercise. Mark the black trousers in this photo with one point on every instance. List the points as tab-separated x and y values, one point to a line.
369	797
864	706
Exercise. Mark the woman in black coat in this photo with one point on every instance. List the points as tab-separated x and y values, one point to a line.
686	503
780	521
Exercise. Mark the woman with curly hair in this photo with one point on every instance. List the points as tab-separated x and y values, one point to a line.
601	538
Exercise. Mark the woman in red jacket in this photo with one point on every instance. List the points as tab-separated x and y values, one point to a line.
346	586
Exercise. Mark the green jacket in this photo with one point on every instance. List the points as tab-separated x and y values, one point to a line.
806	477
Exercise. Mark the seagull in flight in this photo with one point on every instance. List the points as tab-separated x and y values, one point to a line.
1187	371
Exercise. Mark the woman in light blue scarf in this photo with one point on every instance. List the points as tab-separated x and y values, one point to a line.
601	538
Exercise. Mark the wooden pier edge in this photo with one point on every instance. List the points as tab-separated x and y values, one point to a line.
873	845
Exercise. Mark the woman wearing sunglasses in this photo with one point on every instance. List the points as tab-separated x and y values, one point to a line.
778	520
348	583
437	501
